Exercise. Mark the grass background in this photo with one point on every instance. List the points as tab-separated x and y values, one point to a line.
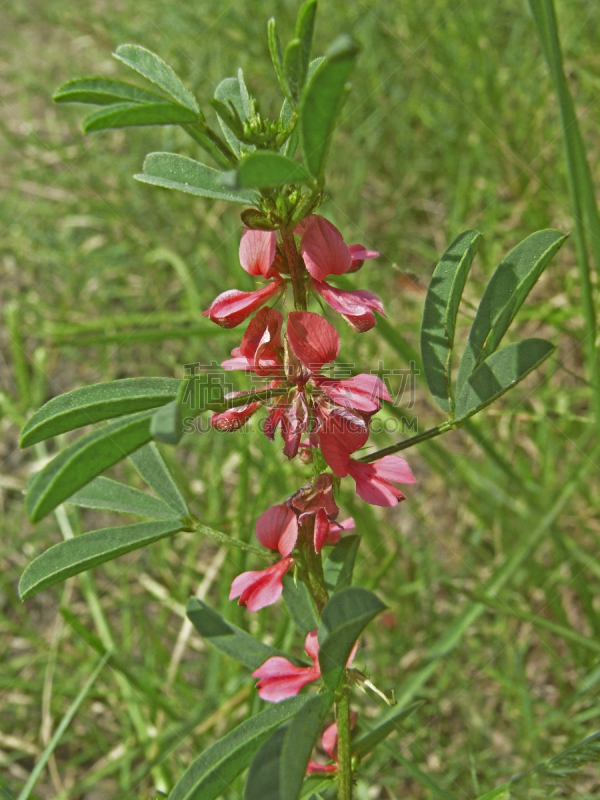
451	125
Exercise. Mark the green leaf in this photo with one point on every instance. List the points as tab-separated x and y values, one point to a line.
385	724
212	772
262	169
167	424
504	295
80	462
292	68
151	466
232	91
343	620
439	315
109	495
230	640
247	101
321	103
285	115
157	72
6	792
278	770
172	171
305	25
88	550
125	115
276	54
499	373
102	92
339	565
95	403
300	604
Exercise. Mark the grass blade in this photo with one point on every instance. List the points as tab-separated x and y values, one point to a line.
64	724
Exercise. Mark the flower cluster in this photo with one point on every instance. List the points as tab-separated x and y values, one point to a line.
277	529
324	253
310	408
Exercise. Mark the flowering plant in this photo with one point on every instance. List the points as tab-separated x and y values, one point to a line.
323	419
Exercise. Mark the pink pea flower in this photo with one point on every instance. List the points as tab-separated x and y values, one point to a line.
233	418
329	742
277	529
257	252
317	500
334	412
261	350
259	257
356	306
373	481
329	533
279	678
232	307
325	252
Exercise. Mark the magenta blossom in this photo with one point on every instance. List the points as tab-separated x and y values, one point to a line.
329	742
324	250
373	480
314	401
277	529
279	678
257	257
356	306
325	253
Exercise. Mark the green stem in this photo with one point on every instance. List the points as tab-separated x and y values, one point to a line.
297	270
212	144
314	564
420	437
343	746
581	188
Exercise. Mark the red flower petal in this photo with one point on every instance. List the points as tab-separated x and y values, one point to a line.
361	323
313	767
311	645
361	392
277	529
340	435
372	488
359	255
354	302
234	418
323	249
394	468
233	306
257	251
321	531
313	340
258	589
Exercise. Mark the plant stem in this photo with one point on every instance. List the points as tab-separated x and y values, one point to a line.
343	746
420	437
297	271
314	565
207	139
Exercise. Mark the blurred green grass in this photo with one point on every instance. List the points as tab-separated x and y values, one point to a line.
451	124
